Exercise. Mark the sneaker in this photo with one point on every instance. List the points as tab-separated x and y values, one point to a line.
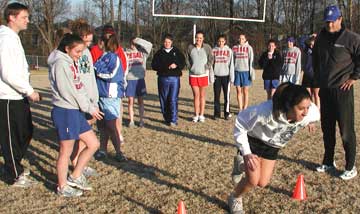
99	154
88	171
235	205
238	169
131	124
79	182
195	119
201	119
141	124
120	157
326	168
68	191
227	117
349	174
26	172
172	124
23	181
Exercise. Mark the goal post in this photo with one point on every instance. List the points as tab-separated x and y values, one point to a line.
158	11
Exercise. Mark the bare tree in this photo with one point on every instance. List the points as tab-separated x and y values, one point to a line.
112	16
3	4
119	17
136	17
44	14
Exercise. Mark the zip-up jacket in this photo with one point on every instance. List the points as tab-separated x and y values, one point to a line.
68	90
292	63
271	67
258	122
336	60
137	59
223	62
163	59
307	63
14	69
109	76
199	60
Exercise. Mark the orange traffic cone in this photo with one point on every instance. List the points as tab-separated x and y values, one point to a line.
299	191
181	208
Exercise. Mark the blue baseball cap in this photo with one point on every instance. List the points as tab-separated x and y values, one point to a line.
332	13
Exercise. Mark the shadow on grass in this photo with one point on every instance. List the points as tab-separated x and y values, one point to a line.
147	208
152	173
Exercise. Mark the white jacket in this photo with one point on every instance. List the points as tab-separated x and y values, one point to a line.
258	122
14	69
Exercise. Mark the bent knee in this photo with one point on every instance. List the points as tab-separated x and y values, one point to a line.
262	184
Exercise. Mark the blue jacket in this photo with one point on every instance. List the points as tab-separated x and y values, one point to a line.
109	76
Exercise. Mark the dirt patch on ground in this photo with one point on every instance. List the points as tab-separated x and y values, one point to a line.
191	162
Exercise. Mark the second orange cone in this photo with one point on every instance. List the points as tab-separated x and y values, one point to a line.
181	208
299	191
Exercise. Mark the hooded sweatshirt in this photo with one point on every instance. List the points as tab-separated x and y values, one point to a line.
14	69
223	62
137	59
200	60
67	88
258	122
292	63
87	75
243	57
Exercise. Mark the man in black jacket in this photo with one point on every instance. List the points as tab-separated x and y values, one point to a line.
336	59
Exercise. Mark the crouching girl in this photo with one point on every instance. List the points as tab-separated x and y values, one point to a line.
260	131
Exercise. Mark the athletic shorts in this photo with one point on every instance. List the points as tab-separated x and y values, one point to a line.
271	84
242	78
69	123
288	78
135	88
110	107
199	81
260	149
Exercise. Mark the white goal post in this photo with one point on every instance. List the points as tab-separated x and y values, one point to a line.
208	17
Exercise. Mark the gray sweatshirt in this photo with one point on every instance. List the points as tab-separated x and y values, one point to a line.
87	75
243	57
199	60
292	63
223	62
67	88
137	59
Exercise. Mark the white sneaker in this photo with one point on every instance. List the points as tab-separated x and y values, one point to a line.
201	118
349	174
88	172
195	119
326	168
235	205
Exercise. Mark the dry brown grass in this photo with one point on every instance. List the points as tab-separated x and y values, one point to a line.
191	162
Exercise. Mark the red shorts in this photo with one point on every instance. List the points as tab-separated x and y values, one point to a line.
199	81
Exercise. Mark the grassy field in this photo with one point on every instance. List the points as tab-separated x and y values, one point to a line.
191	162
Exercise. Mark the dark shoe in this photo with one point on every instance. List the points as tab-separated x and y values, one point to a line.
120	157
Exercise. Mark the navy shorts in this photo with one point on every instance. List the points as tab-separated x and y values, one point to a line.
242	78
270	84
135	88
69	123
